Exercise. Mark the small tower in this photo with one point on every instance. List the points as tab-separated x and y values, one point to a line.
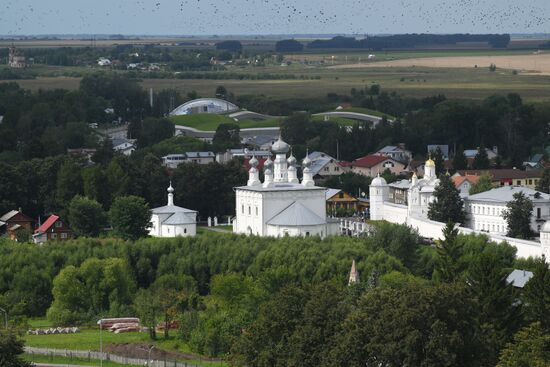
170	195
414	179
545	239
307	179
379	193
429	170
253	174
268	173
292	173
280	149
353	274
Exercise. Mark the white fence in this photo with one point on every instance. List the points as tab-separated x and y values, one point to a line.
89	355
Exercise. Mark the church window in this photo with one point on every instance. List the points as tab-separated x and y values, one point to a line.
249	210
539	213
538	227
168	230
242	208
307	233
256	211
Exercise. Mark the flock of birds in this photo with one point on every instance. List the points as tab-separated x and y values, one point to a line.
274	16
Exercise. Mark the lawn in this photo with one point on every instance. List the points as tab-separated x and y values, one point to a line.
210	122
68	361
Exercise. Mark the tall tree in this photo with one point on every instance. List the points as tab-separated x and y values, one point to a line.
437	156
130	217
537	295
69	183
484	183
518	216
226	136
459	161
544	182
481	160
447	205
497	301
11	349
531	347
449	251
86	216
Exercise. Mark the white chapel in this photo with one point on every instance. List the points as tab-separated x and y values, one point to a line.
173	221
282	205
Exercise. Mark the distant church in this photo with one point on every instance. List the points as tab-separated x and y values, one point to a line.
15	59
282	205
173	221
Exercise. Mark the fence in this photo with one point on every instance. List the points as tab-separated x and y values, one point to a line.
89	355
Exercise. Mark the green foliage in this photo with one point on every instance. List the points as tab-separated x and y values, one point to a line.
95	289
154	130
437	157
349	182
518	216
481	160
69	183
11	349
447	205
86	216
531	347
485	183
544	183
449	251
537	295
130	217
459	161
226	136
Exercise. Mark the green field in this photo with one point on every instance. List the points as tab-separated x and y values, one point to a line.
68	361
88	339
316	79
209	122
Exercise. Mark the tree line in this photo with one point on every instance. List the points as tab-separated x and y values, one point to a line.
264	301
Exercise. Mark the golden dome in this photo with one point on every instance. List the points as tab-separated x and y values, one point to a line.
430	163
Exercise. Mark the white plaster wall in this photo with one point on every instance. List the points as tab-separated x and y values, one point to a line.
395	213
182	230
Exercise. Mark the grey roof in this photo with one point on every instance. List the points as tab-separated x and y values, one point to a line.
171	209
120	141
331	192
296	215
518	278
200	154
243	152
180	218
505	193
317	155
390	148
318	164
260	140
8	215
280	186
401	184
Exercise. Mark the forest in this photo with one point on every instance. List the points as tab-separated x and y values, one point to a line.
260	300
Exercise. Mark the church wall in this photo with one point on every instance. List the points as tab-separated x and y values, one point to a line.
249	212
306	231
395	213
183	230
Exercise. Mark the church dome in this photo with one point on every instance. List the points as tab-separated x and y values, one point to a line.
379	181
546	227
268	164
280	147
253	162
291	160
170	189
430	163
306	162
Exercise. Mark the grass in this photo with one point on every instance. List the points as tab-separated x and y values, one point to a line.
65	360
210	122
88	339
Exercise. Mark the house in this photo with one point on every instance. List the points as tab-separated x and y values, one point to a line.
15	221
338	200
124	146
465	183
443	147
398	153
260	142
398	191
323	165
534	162
53	229
241	153
484	211
507	177
103	62
173	221
174	160
371	165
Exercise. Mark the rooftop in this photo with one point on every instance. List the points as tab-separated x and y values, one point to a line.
518	278
506	193
296	215
505	173
280	186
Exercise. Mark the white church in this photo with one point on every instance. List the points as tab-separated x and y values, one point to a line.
173	221
484	211
282	205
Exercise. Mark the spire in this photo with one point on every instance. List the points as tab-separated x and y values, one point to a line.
170	194
353	274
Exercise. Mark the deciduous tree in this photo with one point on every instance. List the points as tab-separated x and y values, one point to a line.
447	205
130	217
518	216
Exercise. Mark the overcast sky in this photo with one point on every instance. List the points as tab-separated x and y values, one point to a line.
196	17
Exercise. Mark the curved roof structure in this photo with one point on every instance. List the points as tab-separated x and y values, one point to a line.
204	105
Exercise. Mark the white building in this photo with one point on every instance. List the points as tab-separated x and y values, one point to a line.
484	210
282	205
172	220
174	160
204	105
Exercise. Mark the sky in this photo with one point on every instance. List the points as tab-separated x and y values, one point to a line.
263	17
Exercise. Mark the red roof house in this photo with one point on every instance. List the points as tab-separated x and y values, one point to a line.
52	229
